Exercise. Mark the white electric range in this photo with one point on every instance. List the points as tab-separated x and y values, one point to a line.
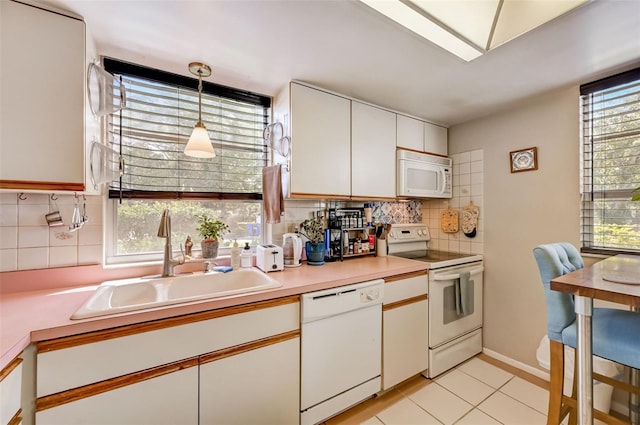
455	296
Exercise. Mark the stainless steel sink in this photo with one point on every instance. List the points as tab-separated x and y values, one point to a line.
118	296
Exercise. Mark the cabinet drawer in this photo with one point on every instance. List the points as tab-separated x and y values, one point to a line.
409	287
75	361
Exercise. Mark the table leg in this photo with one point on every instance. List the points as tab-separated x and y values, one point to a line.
584	311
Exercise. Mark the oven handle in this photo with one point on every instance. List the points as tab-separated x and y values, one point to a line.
453	276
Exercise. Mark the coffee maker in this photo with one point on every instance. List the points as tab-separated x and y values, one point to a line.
292	248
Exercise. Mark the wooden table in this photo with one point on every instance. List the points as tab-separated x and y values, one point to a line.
587	284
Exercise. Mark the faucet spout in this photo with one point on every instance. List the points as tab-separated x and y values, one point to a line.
164	231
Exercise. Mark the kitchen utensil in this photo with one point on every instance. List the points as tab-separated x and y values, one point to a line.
292	248
54	218
106	93
76	218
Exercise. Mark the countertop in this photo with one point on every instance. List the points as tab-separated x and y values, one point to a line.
40	315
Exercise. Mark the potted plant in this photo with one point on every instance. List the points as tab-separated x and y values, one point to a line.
313	230
211	230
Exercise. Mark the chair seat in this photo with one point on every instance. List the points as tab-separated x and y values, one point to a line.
615	335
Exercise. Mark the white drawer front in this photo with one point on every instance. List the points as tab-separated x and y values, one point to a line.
398	290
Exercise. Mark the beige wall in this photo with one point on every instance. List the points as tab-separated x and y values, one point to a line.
522	210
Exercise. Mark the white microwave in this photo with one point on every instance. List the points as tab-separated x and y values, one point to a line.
421	175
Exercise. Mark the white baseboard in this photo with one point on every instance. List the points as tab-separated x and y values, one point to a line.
616	406
525	367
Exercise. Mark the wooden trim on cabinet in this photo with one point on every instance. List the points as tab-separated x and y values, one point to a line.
423	152
374	198
10	367
298	195
137	328
405	276
64	397
28	185
404	302
16	419
248	346
68	396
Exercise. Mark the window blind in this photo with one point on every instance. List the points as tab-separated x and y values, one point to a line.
153	129
610	221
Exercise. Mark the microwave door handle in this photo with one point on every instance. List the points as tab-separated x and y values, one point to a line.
444	181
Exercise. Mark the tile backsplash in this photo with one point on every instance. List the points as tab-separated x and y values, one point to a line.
27	242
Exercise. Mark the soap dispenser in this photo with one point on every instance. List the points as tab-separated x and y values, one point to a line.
245	258
235	255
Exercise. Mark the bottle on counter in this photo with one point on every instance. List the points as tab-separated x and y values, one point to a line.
235	255
245	257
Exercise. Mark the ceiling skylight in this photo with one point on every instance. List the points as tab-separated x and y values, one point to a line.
470	28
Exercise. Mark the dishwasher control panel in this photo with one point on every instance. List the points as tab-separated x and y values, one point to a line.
330	302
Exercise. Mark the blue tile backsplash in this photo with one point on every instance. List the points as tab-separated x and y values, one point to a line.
398	212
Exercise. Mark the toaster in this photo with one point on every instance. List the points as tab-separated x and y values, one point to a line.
269	258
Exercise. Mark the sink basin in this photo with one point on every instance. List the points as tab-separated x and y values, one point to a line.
139	293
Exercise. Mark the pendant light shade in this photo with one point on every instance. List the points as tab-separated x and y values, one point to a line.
199	144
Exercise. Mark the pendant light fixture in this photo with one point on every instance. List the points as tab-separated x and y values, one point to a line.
199	144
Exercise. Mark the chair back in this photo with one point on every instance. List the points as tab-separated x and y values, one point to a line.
557	259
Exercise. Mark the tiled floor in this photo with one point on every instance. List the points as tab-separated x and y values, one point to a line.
474	393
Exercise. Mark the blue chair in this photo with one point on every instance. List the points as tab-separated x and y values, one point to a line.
615	333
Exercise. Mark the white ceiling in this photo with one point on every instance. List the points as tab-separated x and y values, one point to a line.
347	47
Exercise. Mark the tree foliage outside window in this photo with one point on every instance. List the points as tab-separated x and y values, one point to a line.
611	164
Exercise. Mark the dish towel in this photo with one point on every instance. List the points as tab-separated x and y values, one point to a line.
272	197
464	294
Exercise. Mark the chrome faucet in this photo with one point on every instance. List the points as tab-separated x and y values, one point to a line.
164	231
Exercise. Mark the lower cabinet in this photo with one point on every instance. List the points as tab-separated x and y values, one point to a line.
260	386
10	392
239	365
165	400
405	328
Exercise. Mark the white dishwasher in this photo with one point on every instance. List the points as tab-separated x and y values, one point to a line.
341	349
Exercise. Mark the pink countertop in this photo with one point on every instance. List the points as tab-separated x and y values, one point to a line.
31	316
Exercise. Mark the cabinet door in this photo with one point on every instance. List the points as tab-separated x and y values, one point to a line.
260	386
410	133
435	139
405	342
42	85
373	148
320	142
10	391
168	399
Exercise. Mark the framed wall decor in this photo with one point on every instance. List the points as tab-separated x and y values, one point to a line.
524	160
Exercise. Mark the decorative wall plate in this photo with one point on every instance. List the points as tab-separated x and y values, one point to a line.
524	160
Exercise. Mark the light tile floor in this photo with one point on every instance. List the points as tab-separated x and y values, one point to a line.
474	393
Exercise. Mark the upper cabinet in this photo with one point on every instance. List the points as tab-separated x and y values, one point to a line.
320	143
373	148
42	80
421	136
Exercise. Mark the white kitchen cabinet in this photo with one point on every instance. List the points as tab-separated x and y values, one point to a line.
405	328
256	387
10	393
320	143
435	139
422	136
373	147
410	133
167	399
42	83
153	372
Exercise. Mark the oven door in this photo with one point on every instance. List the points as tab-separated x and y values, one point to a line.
455	302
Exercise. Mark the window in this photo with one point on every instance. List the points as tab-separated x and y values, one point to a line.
610	221
151	133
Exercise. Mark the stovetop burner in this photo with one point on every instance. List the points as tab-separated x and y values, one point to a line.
411	241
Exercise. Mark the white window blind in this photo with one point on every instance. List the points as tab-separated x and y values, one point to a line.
153	129
610	221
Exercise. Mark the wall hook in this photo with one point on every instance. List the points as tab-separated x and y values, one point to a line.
54	197
22	196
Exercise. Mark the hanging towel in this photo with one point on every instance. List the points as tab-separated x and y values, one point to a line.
464	294
272	197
